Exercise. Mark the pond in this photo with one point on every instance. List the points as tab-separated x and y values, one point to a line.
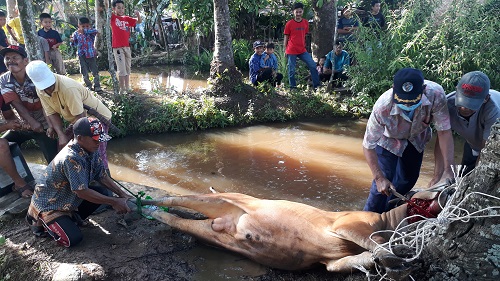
320	163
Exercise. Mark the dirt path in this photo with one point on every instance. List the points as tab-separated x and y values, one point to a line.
130	247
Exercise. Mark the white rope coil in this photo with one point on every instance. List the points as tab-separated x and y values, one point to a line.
414	235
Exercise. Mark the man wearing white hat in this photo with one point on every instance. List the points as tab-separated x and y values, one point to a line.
63	96
473	108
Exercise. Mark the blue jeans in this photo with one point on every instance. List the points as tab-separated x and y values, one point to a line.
305	57
402	172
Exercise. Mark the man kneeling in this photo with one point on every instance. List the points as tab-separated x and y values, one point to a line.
67	197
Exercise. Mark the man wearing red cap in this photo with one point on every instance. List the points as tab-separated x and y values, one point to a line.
67	197
473	108
398	130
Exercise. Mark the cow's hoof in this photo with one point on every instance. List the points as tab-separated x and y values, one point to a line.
395	265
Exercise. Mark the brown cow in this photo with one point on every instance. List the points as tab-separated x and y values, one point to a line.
284	234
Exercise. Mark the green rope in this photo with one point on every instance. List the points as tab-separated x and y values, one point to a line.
138	200
138	196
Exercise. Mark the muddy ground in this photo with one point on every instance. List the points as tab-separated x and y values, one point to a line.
131	247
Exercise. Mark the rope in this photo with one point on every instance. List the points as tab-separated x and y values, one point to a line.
138	201
414	235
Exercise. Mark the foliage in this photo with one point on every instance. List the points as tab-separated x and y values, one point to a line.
199	63
198	111
173	113
444	46
242	51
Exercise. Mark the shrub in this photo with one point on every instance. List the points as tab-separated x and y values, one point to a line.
443	41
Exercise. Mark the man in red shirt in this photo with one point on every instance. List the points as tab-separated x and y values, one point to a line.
295	45
120	29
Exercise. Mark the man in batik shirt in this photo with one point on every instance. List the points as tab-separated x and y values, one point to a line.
67	197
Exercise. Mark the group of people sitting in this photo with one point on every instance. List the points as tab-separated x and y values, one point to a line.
331	67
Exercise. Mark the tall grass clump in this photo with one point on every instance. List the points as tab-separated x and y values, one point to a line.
242	51
445	39
380	54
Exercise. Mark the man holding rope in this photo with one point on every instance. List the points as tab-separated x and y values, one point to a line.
67	198
63	96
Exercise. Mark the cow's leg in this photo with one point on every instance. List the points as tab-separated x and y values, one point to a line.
347	264
204	229
210	206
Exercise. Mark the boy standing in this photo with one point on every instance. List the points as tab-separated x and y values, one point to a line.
295	45
120	29
83	39
54	39
269	60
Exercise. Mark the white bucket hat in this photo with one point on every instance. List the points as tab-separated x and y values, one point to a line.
41	75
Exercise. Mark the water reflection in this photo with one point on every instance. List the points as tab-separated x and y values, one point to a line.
318	163
164	79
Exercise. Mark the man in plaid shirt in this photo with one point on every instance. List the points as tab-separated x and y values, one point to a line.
83	39
398	130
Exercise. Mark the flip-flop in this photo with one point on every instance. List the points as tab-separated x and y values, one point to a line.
20	190
39	231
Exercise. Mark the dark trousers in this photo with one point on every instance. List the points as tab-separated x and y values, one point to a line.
46	144
338	78
65	229
402	172
267	75
89	65
324	77
468	159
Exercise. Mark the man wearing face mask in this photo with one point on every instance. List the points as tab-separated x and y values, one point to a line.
398	130
473	108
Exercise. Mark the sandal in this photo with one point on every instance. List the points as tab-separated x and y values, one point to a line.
20	190
39	231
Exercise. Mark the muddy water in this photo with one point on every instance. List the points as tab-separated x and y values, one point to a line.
170	79
319	163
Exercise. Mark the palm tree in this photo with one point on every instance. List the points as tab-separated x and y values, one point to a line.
29	30
224	77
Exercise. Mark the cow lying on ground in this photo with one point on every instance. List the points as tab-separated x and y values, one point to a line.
287	235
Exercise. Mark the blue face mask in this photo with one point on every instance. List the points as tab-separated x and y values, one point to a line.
409	108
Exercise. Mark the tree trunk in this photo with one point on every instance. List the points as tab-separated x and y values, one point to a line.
325	25
224	76
100	42
29	30
109	49
11	9
470	250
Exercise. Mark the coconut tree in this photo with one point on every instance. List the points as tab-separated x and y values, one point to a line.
467	248
224	77
29	29
325	26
